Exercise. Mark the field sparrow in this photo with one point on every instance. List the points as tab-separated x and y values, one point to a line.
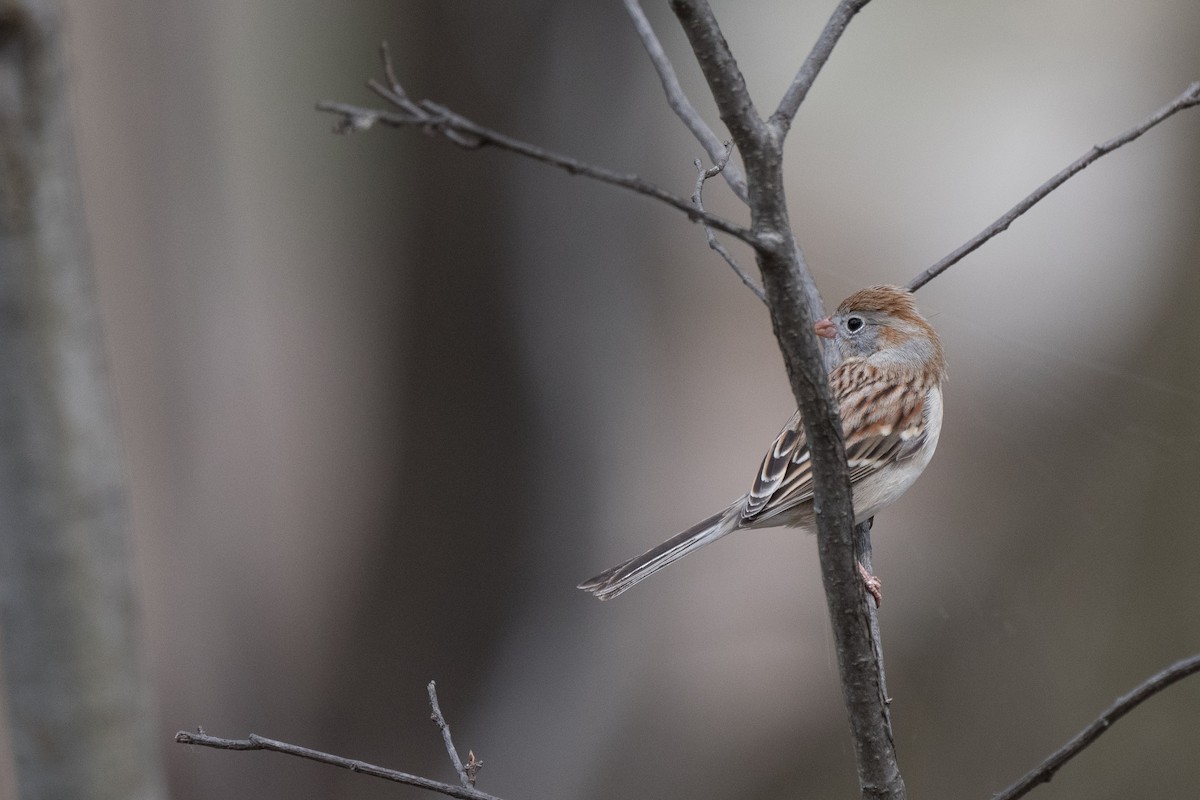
888	387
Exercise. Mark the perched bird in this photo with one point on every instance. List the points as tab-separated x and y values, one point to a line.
888	387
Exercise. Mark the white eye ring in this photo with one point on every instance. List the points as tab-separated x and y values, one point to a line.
854	324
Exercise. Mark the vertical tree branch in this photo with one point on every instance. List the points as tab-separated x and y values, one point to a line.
779	261
863	553
77	694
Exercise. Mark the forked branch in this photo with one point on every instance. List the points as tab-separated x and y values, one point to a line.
679	102
466	776
466	772
435	119
785	278
702	176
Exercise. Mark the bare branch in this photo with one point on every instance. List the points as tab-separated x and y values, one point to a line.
439	120
256	742
1143	692
389	71
786	284
725	80
678	101
1189	98
795	94
753	137
465	779
714	243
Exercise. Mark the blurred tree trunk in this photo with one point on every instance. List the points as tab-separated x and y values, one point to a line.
77	695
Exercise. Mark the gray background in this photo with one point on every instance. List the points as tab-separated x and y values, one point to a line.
384	402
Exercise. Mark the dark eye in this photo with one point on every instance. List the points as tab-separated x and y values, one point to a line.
853	324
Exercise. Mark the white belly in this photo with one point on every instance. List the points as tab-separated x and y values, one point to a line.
875	492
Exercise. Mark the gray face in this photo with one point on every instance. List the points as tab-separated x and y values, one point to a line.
858	333
883	339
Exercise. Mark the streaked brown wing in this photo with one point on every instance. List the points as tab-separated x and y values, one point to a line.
887	424
786	471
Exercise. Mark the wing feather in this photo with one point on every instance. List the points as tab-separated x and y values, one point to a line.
883	423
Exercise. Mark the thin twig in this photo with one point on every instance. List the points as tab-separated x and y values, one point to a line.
679	102
435	119
389	70
1140	694
703	175
440	721
256	742
1189	98
758	142
798	90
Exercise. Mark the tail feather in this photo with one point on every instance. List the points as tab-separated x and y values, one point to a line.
614	581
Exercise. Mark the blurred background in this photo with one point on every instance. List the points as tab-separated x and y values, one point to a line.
385	402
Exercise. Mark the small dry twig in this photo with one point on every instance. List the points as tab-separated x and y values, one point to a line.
466	774
466	778
1140	694
703	175
1189	98
256	742
435	119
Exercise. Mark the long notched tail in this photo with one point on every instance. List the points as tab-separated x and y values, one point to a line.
612	582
